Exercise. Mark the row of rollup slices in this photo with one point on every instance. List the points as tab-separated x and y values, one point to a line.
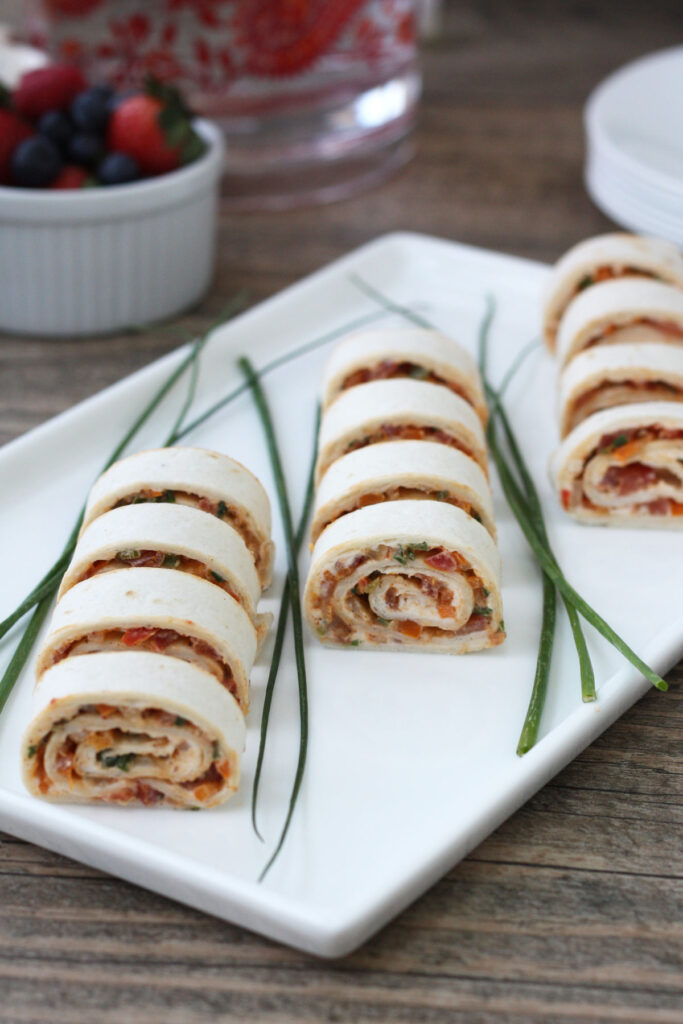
142	682
613	315
403	534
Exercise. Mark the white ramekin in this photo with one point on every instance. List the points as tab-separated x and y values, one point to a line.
98	260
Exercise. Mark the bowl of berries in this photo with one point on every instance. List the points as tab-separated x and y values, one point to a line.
107	205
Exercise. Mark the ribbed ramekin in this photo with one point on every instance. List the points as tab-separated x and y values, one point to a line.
98	260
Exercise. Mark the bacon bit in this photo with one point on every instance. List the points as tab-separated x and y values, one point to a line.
442	561
121	795
165	718
105	710
147	794
137	635
207	506
628	479
149	558
659	507
205	650
565	496
224	768
162	638
410	628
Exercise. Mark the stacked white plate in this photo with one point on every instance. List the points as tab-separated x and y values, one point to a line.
634	159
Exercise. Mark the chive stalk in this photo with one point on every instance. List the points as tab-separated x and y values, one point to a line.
527	510
280	632
294	597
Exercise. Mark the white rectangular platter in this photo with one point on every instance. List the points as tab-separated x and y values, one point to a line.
412	757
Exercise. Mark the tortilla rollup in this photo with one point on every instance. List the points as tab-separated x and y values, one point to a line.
602	259
416	352
153	609
390	410
618	312
204	479
402	470
624	467
134	728
611	375
406	574
167	536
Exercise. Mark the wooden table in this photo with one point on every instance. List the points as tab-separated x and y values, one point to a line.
569	912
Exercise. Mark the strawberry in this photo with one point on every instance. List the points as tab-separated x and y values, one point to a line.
70	176
12	131
49	88
155	129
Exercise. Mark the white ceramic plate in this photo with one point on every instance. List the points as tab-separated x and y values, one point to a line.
412	757
634	133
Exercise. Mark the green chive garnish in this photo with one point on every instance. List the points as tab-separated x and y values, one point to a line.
171	561
31	752
222	509
180	720
216	750
216	576
294	598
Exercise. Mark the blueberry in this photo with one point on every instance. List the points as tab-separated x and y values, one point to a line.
35	162
85	149
56	126
90	109
117	169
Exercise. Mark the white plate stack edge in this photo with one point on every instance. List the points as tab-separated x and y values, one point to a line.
634	145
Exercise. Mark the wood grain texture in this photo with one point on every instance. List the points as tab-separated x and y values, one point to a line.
572	911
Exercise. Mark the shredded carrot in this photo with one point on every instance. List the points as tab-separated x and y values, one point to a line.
445	611
627	450
105	710
100	740
224	767
410	628
206	790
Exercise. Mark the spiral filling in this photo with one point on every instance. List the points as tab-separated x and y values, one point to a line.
158	560
221	509
151	638
130	755
633	471
405	591
389	369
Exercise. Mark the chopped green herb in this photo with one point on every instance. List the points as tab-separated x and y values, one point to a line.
139	500
218	579
222	509
501	628
128	555
109	760
171	561
486	592
180	720
441	495
216	750
355	643
383	622
407	553
194	808
482	610
321	629
618	442
475	515
166	496
419	372
585	282
31	752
